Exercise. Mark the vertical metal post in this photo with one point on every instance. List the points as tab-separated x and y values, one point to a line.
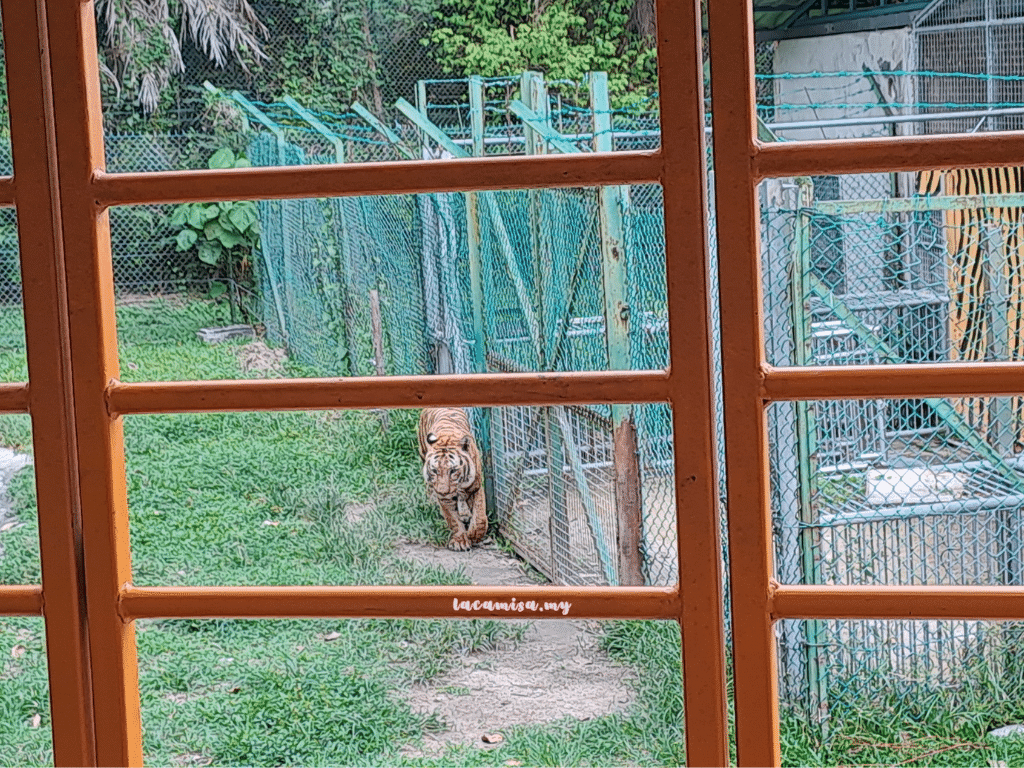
809	536
687	272
477	119
993	253
746	440
44	288
533	93
94	364
275	289
611	200
338	206
421	106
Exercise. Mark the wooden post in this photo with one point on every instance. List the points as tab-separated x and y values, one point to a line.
611	200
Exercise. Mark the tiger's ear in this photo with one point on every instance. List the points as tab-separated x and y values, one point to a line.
465	443
431	438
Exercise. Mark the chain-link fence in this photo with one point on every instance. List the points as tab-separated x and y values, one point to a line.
509	281
146	259
917	491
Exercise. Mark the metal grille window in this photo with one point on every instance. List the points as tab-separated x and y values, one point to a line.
65	192
68	198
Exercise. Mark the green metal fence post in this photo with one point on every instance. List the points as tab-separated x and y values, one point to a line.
476	282
280	306
533	93
817	683
383	130
611	201
347	350
421	107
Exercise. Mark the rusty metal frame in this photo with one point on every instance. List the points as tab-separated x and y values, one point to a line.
35	190
76	399
77	310
750	384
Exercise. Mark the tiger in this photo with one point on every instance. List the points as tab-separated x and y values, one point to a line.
454	474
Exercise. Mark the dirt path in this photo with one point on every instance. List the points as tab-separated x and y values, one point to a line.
557	671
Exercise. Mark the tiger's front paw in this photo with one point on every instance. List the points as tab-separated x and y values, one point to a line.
460	542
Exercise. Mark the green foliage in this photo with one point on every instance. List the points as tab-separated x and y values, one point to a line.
564	39
222	235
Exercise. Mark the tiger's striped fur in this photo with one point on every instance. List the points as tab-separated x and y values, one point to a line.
453	473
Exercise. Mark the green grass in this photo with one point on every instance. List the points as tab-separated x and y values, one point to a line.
245	499
266	498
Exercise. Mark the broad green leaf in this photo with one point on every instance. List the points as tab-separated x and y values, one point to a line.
222	158
243	216
186	239
210	251
227	237
211	212
217	289
195	216
179	216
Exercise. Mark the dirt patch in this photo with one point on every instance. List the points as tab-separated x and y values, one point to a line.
259	359
355	513
556	672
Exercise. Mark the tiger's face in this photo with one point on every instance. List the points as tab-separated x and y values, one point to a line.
448	466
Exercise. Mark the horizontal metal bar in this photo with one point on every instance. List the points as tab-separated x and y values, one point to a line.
835	24
888	119
960	26
884	154
870	515
404	177
859	382
793	601
21	600
480	389
464	602
919	204
588	137
14	398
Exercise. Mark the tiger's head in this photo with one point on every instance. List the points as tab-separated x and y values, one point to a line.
448	465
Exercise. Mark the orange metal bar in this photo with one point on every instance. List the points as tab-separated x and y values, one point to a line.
14	398
400	602
46	331
892	381
731	38
94	363
909	602
804	158
592	169
389	392
702	617
22	600
6	191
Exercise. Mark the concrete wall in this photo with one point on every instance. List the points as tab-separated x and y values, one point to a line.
837	96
